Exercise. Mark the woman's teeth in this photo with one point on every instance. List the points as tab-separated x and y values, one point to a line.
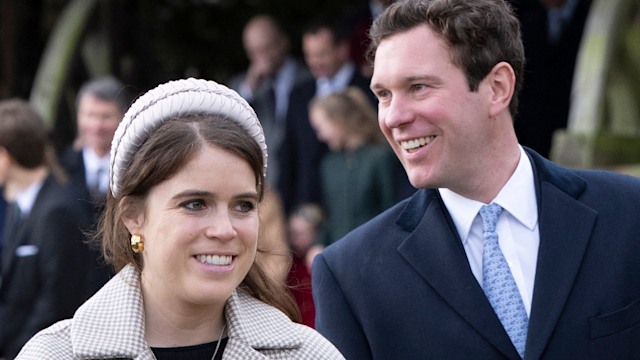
219	260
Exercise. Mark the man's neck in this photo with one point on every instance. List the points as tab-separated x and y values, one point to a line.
21	179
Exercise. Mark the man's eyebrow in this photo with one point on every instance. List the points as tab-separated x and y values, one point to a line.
409	79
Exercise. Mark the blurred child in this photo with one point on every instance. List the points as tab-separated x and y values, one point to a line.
357	176
304	227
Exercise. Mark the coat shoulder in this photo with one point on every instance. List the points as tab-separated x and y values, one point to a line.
315	346
52	343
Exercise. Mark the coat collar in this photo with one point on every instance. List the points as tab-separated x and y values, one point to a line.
111	324
433	248
255	326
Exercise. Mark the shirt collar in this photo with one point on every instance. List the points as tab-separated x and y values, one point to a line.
92	162
518	191
340	80
27	198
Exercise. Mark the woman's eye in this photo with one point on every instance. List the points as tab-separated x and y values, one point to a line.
245	206
194	205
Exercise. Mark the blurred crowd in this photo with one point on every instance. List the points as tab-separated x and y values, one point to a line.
329	171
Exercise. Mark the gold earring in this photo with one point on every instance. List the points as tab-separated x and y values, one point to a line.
137	244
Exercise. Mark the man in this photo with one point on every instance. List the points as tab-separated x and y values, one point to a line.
420	280
325	45
45	261
552	33
267	82
101	104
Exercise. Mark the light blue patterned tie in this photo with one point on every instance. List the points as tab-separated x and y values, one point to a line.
498	282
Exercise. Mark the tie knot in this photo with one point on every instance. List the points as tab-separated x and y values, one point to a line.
489	214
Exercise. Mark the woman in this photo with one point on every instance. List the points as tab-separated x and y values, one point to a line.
187	175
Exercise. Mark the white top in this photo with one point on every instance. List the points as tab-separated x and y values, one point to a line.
517	227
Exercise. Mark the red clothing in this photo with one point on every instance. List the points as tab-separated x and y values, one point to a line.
299	281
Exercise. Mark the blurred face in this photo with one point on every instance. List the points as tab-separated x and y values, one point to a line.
200	230
437	127
301	234
327	130
264	46
323	57
97	123
5	161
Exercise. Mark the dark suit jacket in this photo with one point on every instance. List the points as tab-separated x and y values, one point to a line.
301	150
44	268
263	103
73	163
400	286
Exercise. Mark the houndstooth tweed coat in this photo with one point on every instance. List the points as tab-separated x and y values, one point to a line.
110	325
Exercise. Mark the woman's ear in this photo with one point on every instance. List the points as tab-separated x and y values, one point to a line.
132	214
502	81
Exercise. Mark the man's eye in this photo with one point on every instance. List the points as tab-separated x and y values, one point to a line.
419	87
382	94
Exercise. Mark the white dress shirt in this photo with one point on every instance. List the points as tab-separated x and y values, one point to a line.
339	81
27	198
517	227
282	83
93	163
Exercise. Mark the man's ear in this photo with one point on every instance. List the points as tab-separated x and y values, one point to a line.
502	81
132	214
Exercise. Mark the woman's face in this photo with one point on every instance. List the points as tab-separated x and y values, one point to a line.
200	230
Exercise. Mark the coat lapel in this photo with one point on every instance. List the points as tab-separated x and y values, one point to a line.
111	323
20	235
255	327
565	229
435	251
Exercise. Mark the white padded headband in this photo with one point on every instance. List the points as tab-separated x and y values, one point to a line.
174	99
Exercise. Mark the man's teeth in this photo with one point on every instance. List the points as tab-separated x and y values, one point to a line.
416	143
219	260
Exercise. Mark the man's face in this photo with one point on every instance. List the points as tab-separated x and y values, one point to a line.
437	127
265	47
97	123
323	56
